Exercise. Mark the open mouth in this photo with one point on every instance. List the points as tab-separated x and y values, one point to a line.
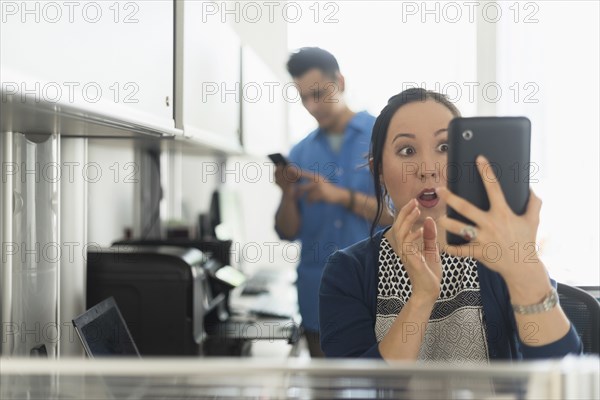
427	198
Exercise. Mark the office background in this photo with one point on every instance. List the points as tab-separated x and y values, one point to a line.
542	56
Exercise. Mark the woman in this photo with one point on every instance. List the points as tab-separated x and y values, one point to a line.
404	294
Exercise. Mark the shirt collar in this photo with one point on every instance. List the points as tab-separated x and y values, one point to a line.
354	125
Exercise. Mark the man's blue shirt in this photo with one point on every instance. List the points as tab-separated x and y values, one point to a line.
326	227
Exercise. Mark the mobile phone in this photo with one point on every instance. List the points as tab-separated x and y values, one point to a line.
505	142
278	159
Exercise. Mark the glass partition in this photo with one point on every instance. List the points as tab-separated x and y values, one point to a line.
571	378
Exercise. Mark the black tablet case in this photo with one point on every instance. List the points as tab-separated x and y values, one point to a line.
505	142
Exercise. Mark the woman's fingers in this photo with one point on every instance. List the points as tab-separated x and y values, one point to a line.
451	225
407	209
404	237
409	245
423	267
407	224
534	206
455	227
490	182
430	244
401	221
429	234
462	206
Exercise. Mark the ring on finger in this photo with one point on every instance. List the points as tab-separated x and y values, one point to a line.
468	232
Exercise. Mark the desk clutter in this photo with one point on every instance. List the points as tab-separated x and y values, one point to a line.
174	296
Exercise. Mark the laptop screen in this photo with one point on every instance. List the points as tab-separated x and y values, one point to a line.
103	331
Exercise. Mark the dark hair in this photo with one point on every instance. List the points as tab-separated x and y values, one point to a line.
380	129
308	58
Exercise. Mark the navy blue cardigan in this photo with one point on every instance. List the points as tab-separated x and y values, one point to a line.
348	304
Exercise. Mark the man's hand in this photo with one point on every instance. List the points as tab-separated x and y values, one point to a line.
318	188
286	176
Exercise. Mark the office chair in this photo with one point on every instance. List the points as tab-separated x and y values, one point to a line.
583	310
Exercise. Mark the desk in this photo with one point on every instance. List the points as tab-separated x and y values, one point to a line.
570	378
274	331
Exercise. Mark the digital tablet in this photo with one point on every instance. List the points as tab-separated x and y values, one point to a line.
505	142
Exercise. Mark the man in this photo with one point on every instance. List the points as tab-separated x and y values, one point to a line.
327	201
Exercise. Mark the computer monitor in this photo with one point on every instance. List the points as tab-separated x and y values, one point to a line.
103	332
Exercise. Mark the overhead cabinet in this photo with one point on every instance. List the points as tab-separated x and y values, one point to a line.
208	100
102	62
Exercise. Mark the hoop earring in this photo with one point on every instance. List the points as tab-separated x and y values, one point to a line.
389	204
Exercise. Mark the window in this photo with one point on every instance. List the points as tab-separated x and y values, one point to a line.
382	48
548	53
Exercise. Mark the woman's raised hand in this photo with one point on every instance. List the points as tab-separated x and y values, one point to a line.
424	265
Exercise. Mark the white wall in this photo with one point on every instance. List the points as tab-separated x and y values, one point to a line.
250	198
200	177
250	201
268	39
111	193
382	51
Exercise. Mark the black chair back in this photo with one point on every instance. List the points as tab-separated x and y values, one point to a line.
583	310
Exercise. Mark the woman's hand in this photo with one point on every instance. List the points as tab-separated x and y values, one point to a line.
424	267
505	242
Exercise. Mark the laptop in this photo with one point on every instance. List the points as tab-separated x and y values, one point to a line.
104	333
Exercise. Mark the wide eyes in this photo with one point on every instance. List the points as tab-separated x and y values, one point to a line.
406	151
409	150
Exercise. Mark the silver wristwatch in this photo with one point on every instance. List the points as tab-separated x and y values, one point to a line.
549	302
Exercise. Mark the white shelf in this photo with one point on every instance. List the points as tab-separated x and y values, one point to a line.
107	57
211	141
26	115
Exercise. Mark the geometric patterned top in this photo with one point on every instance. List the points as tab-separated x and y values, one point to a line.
456	330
